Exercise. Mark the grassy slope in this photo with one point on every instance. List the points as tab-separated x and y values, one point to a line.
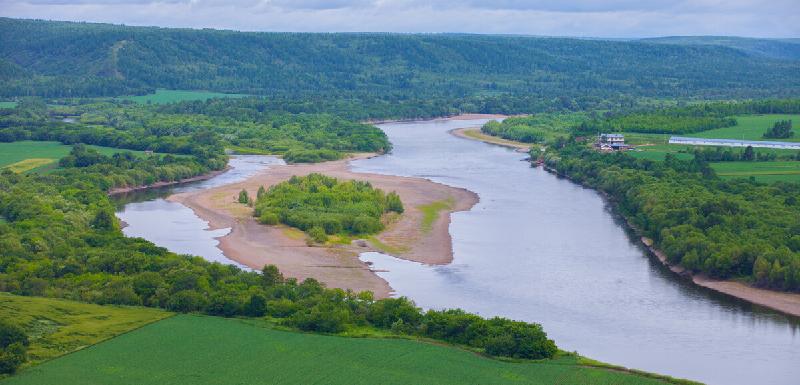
11	153
58	327
171	96
208	350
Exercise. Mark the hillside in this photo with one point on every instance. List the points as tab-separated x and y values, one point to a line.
783	49
60	59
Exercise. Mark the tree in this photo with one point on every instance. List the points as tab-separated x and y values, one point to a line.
13	347
244	197
261	192
271	276
748	154
782	129
256	306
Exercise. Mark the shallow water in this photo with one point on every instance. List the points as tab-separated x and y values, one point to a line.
174	226
542	249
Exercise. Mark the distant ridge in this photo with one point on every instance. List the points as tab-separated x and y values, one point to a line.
783	49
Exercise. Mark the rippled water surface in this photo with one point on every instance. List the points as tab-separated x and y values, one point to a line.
543	249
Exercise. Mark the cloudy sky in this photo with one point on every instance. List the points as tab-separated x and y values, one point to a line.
609	18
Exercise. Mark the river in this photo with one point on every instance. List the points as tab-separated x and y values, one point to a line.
541	249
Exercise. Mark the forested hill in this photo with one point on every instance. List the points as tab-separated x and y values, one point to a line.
58	59
785	49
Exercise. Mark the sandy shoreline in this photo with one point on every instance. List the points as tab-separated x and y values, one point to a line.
475	133
787	303
255	245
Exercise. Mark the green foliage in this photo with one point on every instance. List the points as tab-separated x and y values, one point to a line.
535	128
322	206
782	129
207	349
718	227
244	197
13	347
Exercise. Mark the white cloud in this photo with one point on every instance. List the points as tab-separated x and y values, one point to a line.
613	18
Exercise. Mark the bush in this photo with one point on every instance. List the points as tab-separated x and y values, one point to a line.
13	347
317	234
186	301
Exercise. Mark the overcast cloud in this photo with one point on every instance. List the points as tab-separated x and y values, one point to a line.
612	18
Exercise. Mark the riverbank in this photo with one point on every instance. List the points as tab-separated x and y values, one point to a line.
453	117
201	177
412	236
787	303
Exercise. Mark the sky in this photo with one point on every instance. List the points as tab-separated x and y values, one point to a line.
584	18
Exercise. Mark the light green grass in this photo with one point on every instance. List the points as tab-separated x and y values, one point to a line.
11	154
57	327
8	104
660	151
172	96
205	350
752	127
788	171
430	212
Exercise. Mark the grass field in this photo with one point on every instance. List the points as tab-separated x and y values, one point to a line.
172	96
430	212
201	350
8	104
762	171
31	155
752	127
57	327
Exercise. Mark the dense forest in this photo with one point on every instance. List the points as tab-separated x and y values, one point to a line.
536	128
723	228
511	72
321	205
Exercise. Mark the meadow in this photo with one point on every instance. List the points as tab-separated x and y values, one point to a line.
56	327
172	96
208	350
787	171
8	104
752	127
29	155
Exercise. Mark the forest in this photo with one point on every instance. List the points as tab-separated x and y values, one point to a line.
727	229
321	205
510	73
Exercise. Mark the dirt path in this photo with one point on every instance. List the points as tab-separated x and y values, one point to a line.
256	245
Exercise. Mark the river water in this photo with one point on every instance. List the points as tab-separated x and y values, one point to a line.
541	249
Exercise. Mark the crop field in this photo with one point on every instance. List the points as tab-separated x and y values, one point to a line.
199	350
172	96
31	155
56	327
752	127
787	171
660	151
8	104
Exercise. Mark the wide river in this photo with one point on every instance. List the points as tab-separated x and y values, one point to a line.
541	249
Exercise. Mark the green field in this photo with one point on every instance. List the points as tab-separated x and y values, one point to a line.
8	104
56	327
752	127
31	155
172	96
660	151
787	171
200	350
